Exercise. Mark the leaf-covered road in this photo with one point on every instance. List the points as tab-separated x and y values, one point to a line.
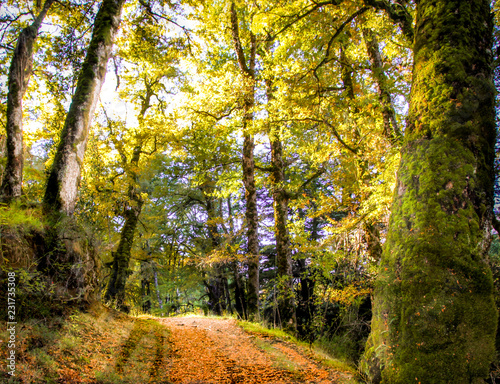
212	350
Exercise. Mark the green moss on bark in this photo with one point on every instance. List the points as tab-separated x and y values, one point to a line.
434	313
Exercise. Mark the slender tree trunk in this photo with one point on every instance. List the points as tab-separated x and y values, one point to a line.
155	274
19	75
391	129
215	283
434	317
240	304
370	229
145	288
286	298
251	214
121	258
132	211
62	184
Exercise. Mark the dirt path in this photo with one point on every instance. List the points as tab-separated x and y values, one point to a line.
207	350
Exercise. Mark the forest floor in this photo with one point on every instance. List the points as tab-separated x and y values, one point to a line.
106	347
215	350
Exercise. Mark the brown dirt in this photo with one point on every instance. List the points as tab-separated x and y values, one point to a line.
213	350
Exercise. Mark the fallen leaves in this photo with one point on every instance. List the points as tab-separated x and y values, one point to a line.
212	350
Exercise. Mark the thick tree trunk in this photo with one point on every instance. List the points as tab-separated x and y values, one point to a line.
19	74
251	214
286	297
434	317
62	184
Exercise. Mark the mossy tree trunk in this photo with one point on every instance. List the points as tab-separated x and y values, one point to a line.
62	184
19	73
434	317
248	163
115	291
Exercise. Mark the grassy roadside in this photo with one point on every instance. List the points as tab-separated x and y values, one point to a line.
100	346
266	336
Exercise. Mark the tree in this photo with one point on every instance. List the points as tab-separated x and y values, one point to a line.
62	184
247	68
19	75
434	312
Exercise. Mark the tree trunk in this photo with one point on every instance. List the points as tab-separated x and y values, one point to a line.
239	293
121	258
19	74
434	316
155	274
145	289
62	184
370	229
286	297
251	214
215	283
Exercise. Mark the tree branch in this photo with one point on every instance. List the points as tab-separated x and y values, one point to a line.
335	35
240	55
397	12
298	17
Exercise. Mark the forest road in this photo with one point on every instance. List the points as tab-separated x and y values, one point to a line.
214	350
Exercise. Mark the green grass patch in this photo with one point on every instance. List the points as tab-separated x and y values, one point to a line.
260	329
317	350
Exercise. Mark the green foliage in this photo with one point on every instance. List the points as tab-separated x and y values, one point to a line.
19	217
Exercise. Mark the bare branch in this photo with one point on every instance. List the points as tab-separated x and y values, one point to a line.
216	117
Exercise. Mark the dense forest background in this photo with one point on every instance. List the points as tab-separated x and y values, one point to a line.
242	158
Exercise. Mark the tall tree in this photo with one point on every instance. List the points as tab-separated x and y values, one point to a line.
62	184
19	74
434	312
391	129
247	69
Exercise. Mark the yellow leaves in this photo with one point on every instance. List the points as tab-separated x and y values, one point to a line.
348	295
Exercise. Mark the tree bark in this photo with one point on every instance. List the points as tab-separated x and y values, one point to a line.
434	316
19	75
248	163
62	184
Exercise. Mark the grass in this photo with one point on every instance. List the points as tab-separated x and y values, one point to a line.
280	360
317	352
99	346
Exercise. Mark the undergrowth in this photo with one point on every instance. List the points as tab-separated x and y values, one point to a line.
99	346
